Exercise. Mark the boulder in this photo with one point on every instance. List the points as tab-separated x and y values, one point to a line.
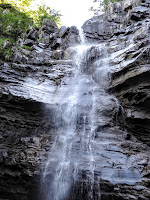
62	31
32	34
57	54
139	13
70	38
49	26
28	42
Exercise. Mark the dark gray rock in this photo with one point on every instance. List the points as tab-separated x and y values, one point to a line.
130	79
26	124
62	31
115	20
48	27
32	34
28	42
20	57
70	38
139	13
27	105
126	28
58	54
56	43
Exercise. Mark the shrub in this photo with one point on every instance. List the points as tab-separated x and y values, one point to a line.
108	2
6	48
103	5
46	12
13	22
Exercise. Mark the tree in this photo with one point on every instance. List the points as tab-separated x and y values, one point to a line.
37	13
101	5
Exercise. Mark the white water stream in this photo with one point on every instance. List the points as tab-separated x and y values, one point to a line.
72	152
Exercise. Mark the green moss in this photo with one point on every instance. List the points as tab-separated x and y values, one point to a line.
26	47
41	39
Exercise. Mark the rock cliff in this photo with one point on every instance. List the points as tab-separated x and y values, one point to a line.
126	28
30	83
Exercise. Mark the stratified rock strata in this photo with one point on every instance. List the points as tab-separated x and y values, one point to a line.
126	28
28	89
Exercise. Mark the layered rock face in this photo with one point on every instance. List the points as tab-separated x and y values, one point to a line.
126	28
27	113
32	85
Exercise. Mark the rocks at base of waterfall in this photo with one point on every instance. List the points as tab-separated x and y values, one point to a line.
22	149
117	171
69	53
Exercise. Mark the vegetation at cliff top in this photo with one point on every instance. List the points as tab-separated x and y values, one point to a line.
34	10
17	16
108	2
103	5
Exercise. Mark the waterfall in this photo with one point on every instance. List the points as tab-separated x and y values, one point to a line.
81	34
72	154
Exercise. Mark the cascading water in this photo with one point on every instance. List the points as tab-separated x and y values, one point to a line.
78	117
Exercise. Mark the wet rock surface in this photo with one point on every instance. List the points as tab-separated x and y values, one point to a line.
27	120
126	27
30	91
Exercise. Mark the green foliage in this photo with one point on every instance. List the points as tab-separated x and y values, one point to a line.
46	12
13	22
108	2
37	12
15	18
41	39
103	5
6	48
26	47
